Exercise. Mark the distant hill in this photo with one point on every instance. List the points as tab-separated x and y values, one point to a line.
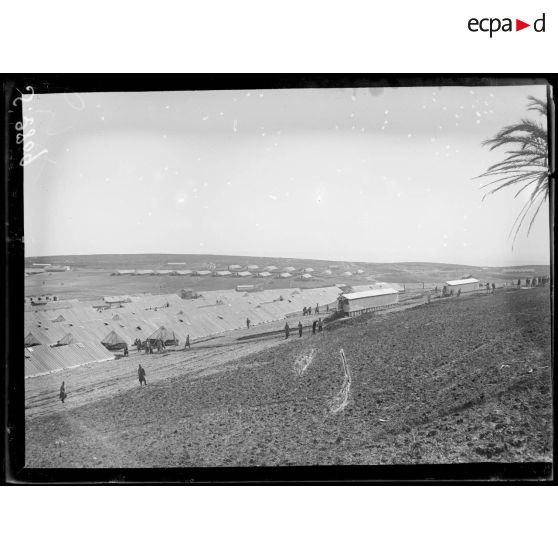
400	272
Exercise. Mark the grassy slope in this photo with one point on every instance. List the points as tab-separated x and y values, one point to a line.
457	381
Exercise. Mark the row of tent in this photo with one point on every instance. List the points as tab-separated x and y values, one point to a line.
43	359
234	271
168	317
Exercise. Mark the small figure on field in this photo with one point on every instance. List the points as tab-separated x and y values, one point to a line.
126	351
300	329
304	311
487	286
327	308
146	347
444	291
493	287
141	375
527	282
314	324
320	325
248	323
287	331
428	298
150	348
317	310
62	392
458	292
518	283
451	292
187	342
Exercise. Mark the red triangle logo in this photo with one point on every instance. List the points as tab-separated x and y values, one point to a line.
519	25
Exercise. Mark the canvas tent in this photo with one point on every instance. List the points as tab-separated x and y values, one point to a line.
68	339
31	340
113	342
166	335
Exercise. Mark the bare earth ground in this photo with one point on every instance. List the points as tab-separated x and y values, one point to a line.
459	380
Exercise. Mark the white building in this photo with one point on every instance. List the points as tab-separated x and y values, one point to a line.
466	285
354	304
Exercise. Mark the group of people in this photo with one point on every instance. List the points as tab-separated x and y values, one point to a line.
534	281
316	325
148	346
488	285
307	311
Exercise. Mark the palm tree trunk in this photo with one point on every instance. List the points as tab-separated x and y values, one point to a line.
551	171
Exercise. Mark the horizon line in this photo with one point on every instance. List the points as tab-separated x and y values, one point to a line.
281	257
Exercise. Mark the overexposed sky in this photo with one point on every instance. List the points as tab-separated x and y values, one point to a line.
378	175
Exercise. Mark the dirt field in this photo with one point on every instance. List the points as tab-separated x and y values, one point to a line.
459	380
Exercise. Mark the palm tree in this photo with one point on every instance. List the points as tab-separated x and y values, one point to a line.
526	164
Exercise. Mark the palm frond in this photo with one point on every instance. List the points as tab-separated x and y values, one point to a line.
525	165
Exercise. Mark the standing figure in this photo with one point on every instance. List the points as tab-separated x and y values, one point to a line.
141	375
287	330
62	392
493	287
147	345
187	342
314	324
300	329
304	311
320	325
126	351
458	292
248	323
518	283
317	310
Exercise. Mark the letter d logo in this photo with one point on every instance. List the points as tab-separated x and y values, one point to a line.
539	24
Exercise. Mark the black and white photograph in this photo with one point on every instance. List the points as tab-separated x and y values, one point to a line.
306	276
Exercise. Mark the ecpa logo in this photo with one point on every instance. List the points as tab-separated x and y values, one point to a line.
494	24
